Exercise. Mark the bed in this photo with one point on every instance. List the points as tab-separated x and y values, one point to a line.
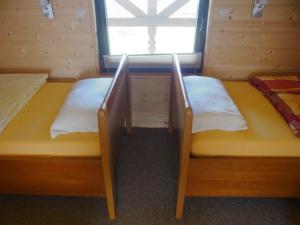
263	161
77	164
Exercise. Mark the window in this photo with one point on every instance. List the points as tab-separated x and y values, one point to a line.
151	26
148	27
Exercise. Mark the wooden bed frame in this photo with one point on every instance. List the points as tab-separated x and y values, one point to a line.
224	176
76	176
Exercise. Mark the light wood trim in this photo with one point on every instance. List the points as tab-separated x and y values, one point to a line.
112	116
182	122
179	85
65	47
149	90
93	31
207	48
239	44
184	157
51	176
50	79
107	165
71	80
244	177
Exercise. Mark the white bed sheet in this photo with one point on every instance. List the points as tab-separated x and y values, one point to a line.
15	91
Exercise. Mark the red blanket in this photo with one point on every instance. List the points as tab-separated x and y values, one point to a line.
284	94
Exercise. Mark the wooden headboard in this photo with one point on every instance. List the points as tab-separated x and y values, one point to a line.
182	122
112	116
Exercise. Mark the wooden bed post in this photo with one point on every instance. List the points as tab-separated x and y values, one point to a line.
182	122
185	147
107	164
111	117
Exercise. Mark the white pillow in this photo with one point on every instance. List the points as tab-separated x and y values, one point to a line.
213	109
80	110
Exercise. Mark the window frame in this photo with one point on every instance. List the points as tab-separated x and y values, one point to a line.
103	40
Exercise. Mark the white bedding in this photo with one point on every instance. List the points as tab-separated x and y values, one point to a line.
15	91
213	108
79	112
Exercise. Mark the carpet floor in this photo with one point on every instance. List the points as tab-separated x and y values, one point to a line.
146	195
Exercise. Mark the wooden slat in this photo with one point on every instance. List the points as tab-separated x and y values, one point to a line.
256	54
64	46
250	2
262	57
32	3
229	72
148	91
239	45
272	13
256	26
255	40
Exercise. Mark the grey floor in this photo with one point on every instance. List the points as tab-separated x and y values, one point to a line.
146	173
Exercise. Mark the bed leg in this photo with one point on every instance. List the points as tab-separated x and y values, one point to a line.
109	190
108	172
179	208
184	158
107	163
181	194
183	174
111	207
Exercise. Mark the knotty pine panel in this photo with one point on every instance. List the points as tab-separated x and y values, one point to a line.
150	100
64	47
250	2
275	13
239	45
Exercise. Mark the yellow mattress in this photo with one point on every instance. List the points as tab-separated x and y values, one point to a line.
29	132
268	133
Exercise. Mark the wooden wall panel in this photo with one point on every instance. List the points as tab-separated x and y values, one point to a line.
150	100
239	45
64	46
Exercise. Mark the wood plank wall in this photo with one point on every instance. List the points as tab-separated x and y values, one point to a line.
240	45
64	47
150	99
